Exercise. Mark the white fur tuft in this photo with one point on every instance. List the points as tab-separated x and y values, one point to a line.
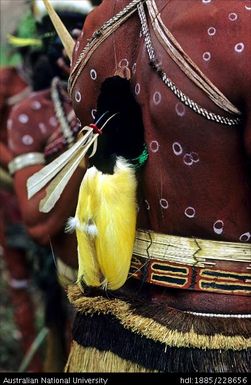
71	225
122	164
104	285
91	230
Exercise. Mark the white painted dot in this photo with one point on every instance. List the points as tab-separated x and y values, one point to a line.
163	203
124	63
206	56
206	1
137	89
195	157
78	96
245	237
134	67
27	140
154	146
190	212
239	47
248	8
177	148
23	118
53	121
9	124
42	128
157	98
188	160
218	227
93	74
180	109
77	125
77	45
233	16
93	113
36	105
147	205
211	31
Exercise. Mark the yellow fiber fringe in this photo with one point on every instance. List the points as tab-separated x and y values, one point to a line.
106	224
151	329
90	360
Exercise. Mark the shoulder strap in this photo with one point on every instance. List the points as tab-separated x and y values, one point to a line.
192	71
99	36
169	43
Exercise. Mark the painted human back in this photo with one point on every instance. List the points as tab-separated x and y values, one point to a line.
195	184
196	181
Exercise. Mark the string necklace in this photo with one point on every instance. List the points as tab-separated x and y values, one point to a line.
60	113
111	25
156	65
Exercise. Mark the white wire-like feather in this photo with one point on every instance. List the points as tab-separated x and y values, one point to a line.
56	187
59	171
40	179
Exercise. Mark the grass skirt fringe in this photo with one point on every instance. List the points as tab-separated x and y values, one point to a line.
84	359
132	336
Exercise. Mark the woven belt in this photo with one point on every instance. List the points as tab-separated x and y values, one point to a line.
191	263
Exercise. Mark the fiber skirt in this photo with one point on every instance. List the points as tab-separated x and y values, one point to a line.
129	335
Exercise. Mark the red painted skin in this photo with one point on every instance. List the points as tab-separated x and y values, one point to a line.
222	150
12	84
218	185
43	128
45	133
35	128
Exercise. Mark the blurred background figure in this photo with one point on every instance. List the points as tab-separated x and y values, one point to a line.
16	85
40	127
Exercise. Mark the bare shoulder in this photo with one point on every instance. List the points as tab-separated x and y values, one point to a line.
6	73
27	123
32	102
217	36
9	81
97	17
28	108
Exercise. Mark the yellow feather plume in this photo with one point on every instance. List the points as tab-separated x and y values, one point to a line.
106	222
23	41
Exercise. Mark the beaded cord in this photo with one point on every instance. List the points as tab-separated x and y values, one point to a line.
168	82
218	315
110	26
60	114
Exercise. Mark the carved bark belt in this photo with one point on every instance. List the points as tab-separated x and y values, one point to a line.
191	263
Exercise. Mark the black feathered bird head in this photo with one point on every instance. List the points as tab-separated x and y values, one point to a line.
124	135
